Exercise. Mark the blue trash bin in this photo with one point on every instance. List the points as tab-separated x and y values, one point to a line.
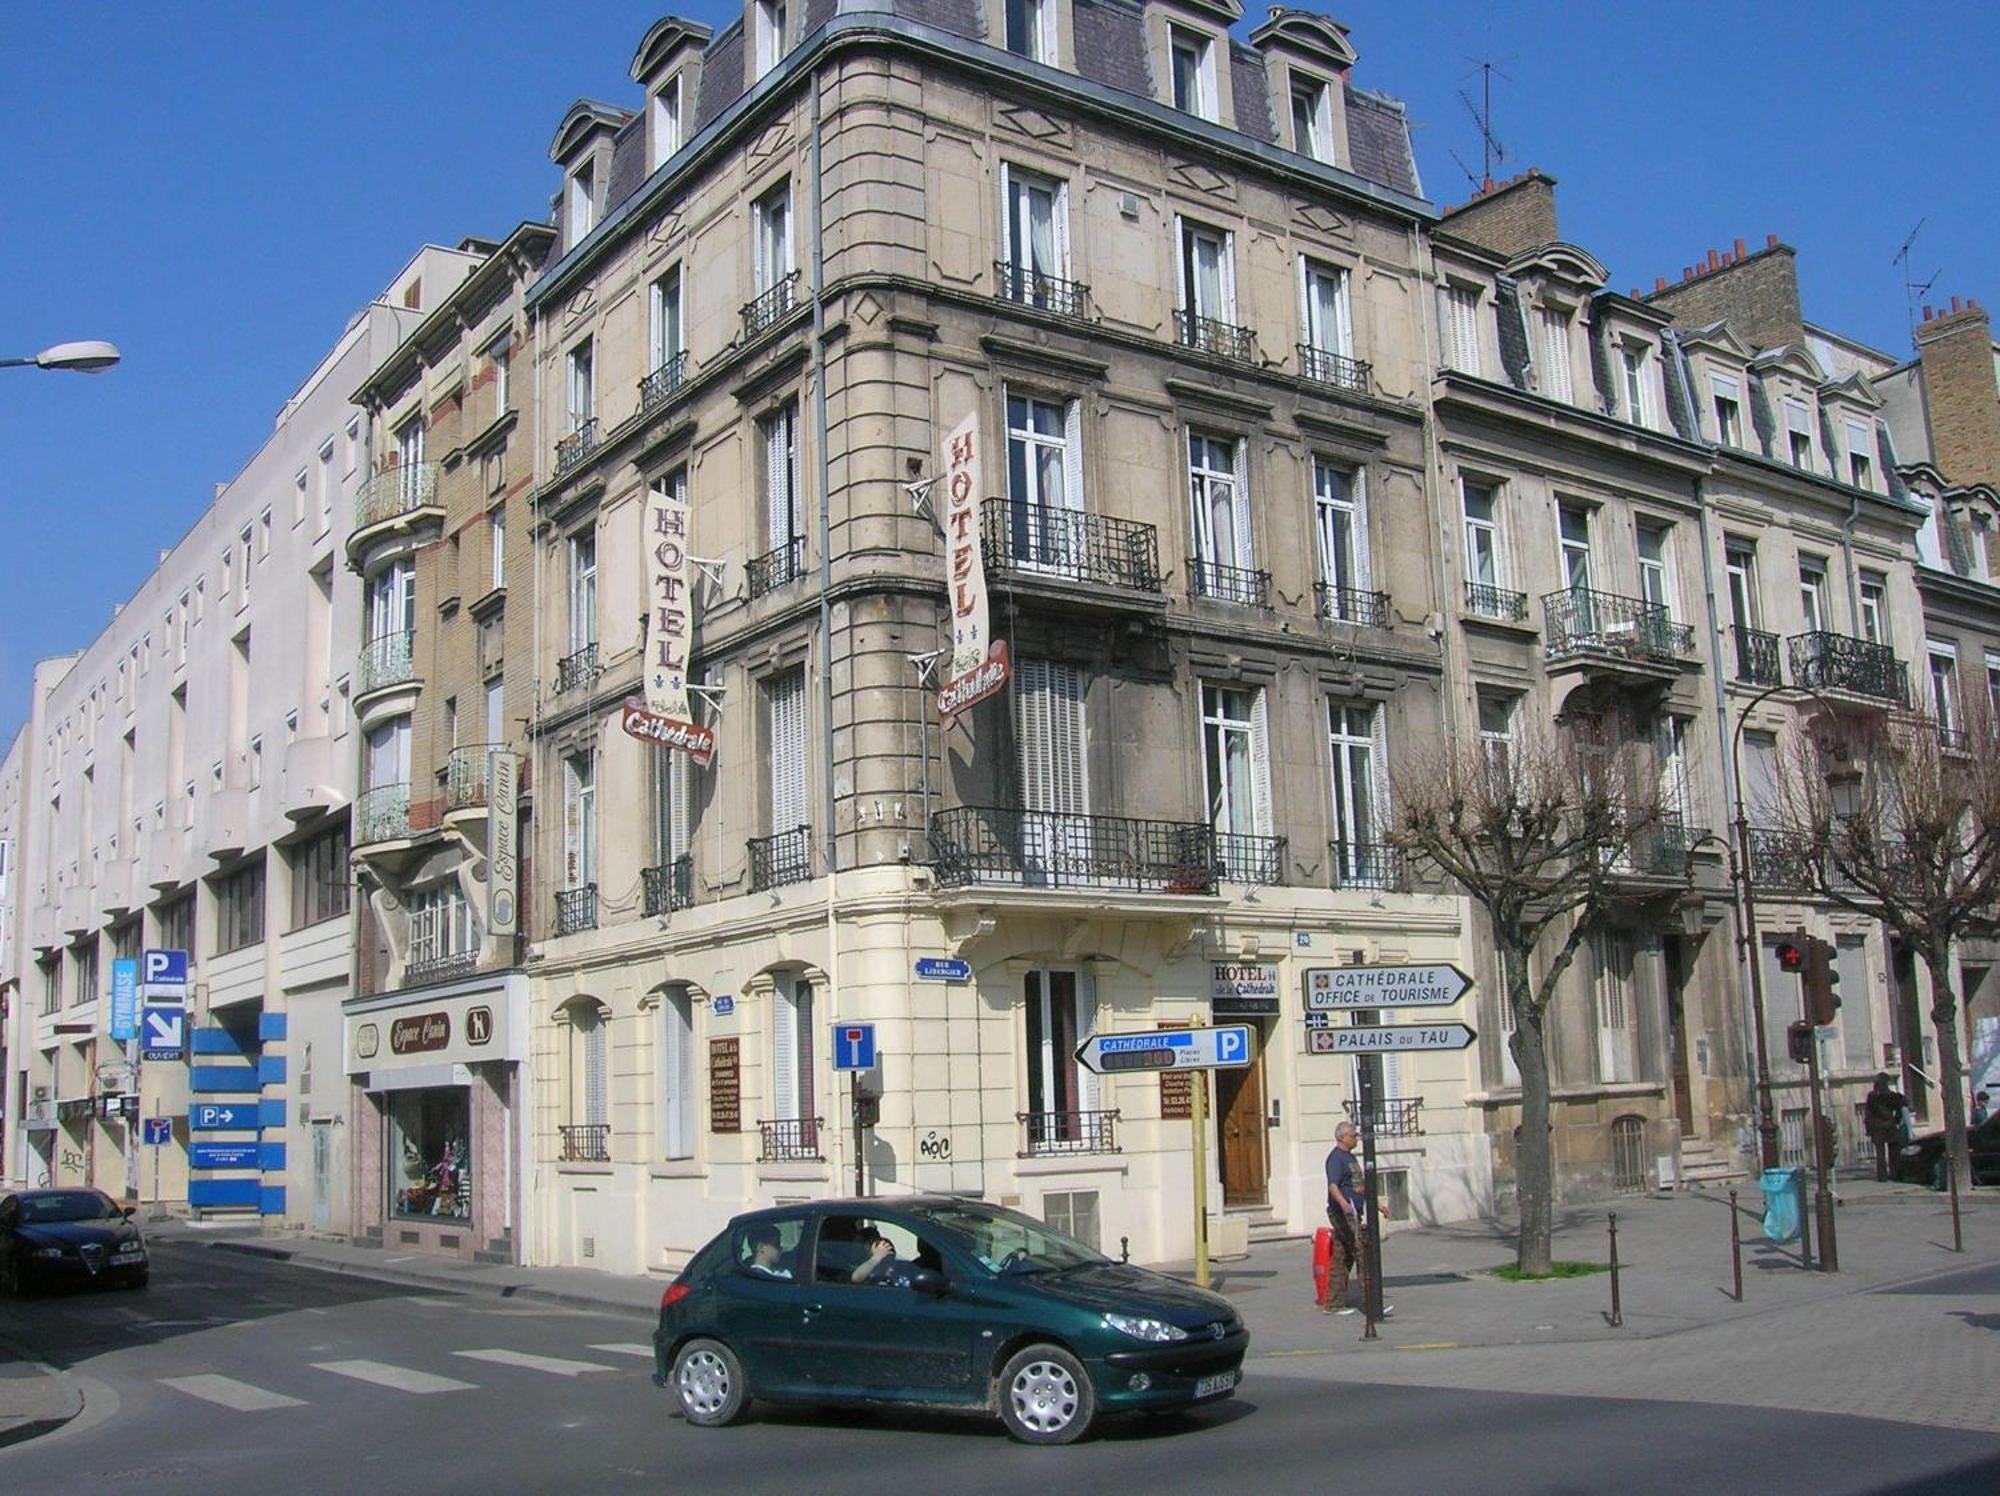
1782	1189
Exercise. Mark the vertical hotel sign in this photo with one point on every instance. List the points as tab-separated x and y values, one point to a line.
503	867
978	661
664	718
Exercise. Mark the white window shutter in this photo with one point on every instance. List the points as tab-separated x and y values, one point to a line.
1089	1087
788	767
682	810
1031	707
1308	332
1181	302
1073	456
784	1052
1068	785
1260	762
780	510
591	1032
1378	769
1240	504
1010	237
1064	271
1364	566
1228	310
1343	307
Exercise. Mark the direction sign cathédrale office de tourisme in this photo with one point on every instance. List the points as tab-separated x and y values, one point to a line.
1339	988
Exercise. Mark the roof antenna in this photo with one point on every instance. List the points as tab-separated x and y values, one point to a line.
1493	152
1913	289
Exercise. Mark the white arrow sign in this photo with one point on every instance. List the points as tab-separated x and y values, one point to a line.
1336	988
1389	1038
1226	1048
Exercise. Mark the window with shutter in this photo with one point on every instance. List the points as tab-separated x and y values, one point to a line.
786	699
784	1050
781	458
1617	1031
593	1041
1326	314
1555	370
1459	320
579	821
677	1073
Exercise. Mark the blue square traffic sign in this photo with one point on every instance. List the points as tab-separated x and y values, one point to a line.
162	1033
854	1046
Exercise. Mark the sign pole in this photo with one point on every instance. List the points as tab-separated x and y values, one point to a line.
860	1144
1371	1241
1198	1115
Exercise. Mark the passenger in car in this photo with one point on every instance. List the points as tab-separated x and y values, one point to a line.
767	1254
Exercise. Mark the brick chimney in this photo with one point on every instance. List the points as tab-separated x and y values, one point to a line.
1757	294
1508	217
1962	392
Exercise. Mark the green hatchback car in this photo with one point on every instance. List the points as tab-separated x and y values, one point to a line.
941	1302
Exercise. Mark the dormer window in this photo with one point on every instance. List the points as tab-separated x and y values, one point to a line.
1312	117
1638	396
663	119
1192	64
581	208
1459	328
1557	384
1860	469
1798	431
1031	30
770	20
1727	396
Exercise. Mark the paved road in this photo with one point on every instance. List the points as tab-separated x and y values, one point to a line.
235	1374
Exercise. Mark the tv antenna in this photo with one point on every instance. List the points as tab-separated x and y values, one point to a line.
1912	287
1493	153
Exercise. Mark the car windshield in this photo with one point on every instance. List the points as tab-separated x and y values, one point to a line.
1005	1241
70	1205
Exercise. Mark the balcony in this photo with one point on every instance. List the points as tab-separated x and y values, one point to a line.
382	814
663	383
668	887
1223	339
396	492
576	909
440	968
1355	605
1623	634
770	571
974	844
1249	859
465	776
1484	601
1954	739
585	1143
771	308
1390	1116
784	857
579	444
1843	666
1048	540
1664	851
790	1140
577	669
389	660
1376	865
1758	659
1336	371
1241	585
1055	1134
1782	861
1028	287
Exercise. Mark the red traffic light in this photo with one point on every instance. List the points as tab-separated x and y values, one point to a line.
1791	956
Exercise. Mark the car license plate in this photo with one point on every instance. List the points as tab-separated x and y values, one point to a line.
1222	1381
123	1257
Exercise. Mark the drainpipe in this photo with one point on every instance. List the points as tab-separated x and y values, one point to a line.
825	559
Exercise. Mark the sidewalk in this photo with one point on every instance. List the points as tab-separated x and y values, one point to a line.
34	1399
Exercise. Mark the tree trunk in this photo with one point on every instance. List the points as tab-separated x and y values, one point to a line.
1951	1075
1534	1169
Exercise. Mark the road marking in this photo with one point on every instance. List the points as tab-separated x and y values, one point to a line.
230	1393
552	1364
628	1348
401	1378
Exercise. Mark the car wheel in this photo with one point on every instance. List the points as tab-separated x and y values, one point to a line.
1046	1396
709	1381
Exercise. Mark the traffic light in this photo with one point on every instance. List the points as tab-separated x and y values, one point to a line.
1821	980
1799	1042
1792	954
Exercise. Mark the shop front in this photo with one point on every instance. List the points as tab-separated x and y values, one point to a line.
439	1101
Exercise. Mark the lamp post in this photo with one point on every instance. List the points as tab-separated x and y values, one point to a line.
1767	1118
92	356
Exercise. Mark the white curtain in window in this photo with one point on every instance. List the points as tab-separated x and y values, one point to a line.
788	751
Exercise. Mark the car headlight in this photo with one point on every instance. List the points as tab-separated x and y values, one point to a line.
1145	1329
48	1251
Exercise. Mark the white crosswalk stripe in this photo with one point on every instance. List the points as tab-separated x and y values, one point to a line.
400	1378
554	1365
625	1348
230	1393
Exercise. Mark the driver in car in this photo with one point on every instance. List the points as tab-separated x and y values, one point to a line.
885	1269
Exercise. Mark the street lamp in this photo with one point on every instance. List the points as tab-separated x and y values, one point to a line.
92	356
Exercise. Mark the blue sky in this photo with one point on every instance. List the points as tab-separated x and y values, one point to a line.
216	187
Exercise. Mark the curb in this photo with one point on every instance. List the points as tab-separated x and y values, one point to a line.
33	1428
432	1283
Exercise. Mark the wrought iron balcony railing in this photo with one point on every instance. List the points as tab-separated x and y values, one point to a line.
668	887
1663	851
766	311
1496	602
387	660
770	571
579	444
394	491
789	1140
1954	739
586	1143
1823	661
1029	287
1249	859
1335	370
781	858
1390	1116
576	909
1356	605
977	844
1245	586
438	968
1054	541
382	814
580	668
465	775
663	382
1051	1133
1758	659
1223	339
1360	864
1583	620
1782	860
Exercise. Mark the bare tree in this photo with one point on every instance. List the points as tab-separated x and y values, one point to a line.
1900	820
1546	834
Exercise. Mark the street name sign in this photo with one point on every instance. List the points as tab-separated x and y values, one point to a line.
942	969
1225	1048
1389	1038
1338	988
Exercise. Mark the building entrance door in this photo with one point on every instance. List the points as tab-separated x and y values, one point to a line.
322	1200
1676	976
1910	1031
1239	1126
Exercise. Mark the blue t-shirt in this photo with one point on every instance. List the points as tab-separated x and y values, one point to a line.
1343	1172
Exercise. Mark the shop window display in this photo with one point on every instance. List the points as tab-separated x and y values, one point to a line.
432	1153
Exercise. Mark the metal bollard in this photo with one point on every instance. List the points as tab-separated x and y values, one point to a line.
1617	1316
1736	1246
1951	1173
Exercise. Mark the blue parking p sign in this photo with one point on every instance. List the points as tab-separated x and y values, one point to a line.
854	1046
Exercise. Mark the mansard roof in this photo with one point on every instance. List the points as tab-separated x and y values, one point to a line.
585	119
665	37
1319	38
1565	261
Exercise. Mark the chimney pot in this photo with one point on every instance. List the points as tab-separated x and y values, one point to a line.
1659	283
1687	272
1635	293
1739	249
1714	260
1770	241
1954	305
1927	314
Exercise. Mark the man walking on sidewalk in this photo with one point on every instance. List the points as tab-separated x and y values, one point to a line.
1881	1119
1347	1211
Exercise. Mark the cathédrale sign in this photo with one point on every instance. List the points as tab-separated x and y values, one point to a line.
420	1033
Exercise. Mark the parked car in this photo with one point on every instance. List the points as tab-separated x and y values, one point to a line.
940	1302
68	1236
1917	1160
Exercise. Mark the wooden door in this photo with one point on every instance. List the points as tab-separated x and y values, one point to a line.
1239	1126
1675	972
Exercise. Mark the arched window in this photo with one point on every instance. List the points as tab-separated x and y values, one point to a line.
1628	1155
677	1073
587	1136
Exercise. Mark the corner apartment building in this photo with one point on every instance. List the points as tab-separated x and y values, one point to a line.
436	1031
189	788
1174	287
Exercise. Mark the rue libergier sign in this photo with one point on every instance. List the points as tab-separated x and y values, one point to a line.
664	718
979	663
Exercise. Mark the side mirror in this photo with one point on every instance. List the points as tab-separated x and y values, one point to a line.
929	1280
